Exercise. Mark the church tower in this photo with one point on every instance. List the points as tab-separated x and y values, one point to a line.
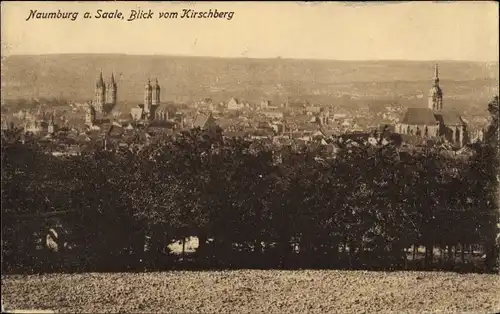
90	115
51	126
435	93
111	91
148	91
156	94
100	94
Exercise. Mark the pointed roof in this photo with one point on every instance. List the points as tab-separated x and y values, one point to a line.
112	81
419	116
204	121
148	84
136	112
90	108
233	100
157	86
245	124
52	117
100	81
450	119
435	87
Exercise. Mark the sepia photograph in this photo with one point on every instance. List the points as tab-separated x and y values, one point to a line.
250	157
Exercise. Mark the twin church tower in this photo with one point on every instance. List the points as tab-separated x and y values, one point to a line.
151	97
105	95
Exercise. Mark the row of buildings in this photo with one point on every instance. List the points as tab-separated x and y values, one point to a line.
423	124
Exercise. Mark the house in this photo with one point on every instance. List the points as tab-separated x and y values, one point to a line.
137	113
239	126
309	128
164	113
337	116
35	127
205	122
347	123
233	104
159	126
116	131
272	114
313	110
236	134
83	138
261	133
265	126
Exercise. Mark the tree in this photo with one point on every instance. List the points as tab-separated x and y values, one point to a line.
373	200
484	169
493	164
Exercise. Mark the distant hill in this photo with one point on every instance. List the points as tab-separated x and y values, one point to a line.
72	76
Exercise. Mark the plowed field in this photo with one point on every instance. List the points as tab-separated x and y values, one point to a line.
255	291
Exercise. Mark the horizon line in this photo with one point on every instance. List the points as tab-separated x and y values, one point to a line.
248	58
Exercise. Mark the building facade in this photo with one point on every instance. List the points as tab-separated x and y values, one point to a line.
433	122
147	110
105	97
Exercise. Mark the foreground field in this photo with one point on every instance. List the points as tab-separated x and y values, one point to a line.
252	291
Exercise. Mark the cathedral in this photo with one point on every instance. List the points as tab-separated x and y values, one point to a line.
150	108
104	100
433	122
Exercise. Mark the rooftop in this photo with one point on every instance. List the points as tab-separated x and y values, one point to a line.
419	116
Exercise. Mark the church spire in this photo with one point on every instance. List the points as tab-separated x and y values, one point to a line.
111	90
435	100
148	98
156	94
100	81
436	74
100	93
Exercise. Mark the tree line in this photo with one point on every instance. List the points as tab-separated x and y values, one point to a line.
365	208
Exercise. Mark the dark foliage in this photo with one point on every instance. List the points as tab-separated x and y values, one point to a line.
363	209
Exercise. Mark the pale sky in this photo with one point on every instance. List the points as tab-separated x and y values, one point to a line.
409	31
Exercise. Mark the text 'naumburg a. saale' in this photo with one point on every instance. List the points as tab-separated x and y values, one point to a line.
132	15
